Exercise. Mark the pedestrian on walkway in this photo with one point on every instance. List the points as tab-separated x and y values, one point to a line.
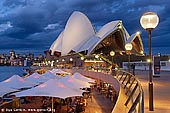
133	68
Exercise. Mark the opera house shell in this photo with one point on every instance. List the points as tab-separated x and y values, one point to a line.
79	36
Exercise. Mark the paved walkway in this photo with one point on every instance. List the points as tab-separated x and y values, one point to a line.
161	91
99	104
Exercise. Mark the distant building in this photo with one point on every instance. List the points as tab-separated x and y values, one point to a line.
15	59
12	55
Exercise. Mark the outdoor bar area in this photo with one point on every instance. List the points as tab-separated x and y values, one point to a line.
71	93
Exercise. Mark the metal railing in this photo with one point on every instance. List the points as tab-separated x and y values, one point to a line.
133	90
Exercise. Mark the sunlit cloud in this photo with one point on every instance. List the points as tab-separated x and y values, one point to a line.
51	26
5	26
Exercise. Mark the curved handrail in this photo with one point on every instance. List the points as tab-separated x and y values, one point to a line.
133	90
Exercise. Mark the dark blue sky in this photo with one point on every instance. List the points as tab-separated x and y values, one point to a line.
35	24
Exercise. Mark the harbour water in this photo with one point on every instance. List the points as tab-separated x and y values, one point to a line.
7	71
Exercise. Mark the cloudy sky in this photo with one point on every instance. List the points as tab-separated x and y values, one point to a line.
35	24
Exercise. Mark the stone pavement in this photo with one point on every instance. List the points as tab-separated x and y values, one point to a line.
99	104
161	91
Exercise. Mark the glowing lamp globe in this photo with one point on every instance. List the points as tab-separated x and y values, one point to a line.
112	53
149	20
128	47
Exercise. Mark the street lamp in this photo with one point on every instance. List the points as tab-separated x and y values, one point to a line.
71	59
82	58
97	57
149	21
112	54
128	48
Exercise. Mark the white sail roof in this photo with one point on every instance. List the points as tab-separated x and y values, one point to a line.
77	30
57	44
88	44
107	28
79	35
136	42
101	39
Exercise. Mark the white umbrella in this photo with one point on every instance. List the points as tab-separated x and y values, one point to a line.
5	90
54	70
73	82
35	77
58	71
83	78
51	88
51	75
17	82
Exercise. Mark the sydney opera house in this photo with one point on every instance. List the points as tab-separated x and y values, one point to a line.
80	39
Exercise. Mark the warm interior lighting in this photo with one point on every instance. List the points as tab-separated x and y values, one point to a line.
148	60
141	52
93	61
96	56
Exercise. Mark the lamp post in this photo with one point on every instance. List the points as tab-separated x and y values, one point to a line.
128	48
112	54
149	21
97	56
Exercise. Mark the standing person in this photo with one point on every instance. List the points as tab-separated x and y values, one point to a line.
133	69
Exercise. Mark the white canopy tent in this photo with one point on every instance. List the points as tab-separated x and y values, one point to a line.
51	88
53	70
5	90
73	82
82	78
50	75
58	71
17	82
35	77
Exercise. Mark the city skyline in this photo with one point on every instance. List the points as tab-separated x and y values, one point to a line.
34	25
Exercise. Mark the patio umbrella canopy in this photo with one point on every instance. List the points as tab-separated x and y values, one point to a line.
50	75
51	88
35	77
73	82
5	90
58	71
17	82
83	78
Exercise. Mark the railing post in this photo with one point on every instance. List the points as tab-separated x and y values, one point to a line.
137	100
130	86
131	95
124	79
